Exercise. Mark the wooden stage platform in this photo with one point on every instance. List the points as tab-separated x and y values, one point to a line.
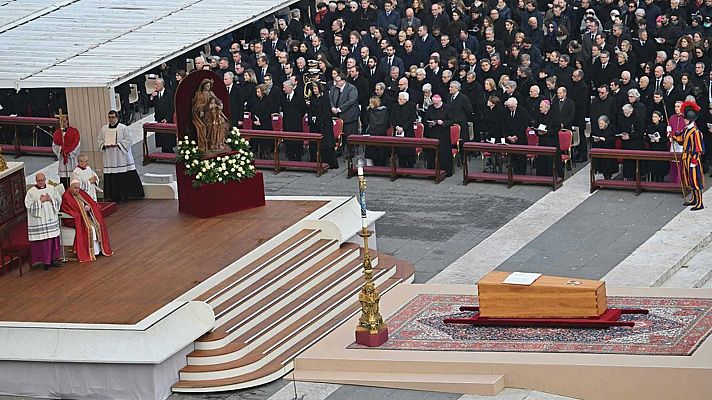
159	255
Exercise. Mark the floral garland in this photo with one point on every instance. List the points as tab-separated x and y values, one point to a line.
230	167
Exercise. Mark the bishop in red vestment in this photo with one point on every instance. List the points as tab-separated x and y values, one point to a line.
92	237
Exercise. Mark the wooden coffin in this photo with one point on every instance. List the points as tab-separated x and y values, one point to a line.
547	297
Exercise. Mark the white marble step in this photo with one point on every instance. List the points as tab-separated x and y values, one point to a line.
445	382
695	273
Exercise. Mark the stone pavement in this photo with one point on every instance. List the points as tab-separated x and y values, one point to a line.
597	235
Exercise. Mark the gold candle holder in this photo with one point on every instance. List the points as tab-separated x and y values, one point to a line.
371	330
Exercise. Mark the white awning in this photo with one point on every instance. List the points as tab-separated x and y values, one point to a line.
94	43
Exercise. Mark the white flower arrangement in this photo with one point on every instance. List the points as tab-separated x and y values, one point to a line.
231	167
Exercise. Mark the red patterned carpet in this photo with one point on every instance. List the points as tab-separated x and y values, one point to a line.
674	327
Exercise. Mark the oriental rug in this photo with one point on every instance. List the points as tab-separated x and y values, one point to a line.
674	327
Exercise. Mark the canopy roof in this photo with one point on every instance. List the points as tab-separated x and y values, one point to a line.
102	43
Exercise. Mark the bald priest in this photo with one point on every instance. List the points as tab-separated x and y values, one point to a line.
92	237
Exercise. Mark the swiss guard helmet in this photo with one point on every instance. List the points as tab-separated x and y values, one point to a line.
690	110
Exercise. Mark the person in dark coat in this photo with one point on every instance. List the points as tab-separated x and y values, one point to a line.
437	126
293	110
237	103
514	125
656	137
402	120
320	122
492	120
459	109
604	138
546	123
262	109
162	101
378	121
630	131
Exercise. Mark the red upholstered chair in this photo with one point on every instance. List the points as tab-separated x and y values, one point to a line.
455	139
14	244
532	140
305	124
338	130
277	122
247	120
565	138
419	129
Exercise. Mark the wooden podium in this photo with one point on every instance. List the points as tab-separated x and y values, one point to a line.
549	301
547	297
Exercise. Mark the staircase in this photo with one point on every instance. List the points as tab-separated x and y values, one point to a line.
273	309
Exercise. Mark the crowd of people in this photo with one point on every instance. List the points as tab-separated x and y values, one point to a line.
492	67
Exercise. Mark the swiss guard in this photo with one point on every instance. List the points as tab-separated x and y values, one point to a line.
693	147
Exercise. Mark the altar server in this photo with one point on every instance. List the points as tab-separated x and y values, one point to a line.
65	145
89	180
121	180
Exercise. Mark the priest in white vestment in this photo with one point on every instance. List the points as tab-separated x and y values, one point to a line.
88	179
121	181
43	202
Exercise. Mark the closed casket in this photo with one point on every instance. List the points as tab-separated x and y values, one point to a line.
547	297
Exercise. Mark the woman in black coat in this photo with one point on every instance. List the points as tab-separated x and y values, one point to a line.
604	138
262	108
492	120
656	137
437	126
378	122
402	120
320	121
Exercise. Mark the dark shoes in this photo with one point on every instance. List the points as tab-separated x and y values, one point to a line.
697	208
55	263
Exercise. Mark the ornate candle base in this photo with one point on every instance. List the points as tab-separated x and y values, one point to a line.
371	330
364	337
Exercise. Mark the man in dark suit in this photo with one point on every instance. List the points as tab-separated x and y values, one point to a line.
516	120
293	110
343	97
671	94
272	44
391	60
264	68
373	74
565	108
237	104
459	110
162	102
603	70
424	45
364	92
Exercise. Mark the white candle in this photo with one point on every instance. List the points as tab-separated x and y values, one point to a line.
360	171
364	224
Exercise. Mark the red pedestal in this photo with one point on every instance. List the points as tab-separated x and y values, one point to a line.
365	338
207	201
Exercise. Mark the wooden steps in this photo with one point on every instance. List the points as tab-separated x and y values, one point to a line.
277	306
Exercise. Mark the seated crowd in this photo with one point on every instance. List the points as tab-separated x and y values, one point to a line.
492	67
